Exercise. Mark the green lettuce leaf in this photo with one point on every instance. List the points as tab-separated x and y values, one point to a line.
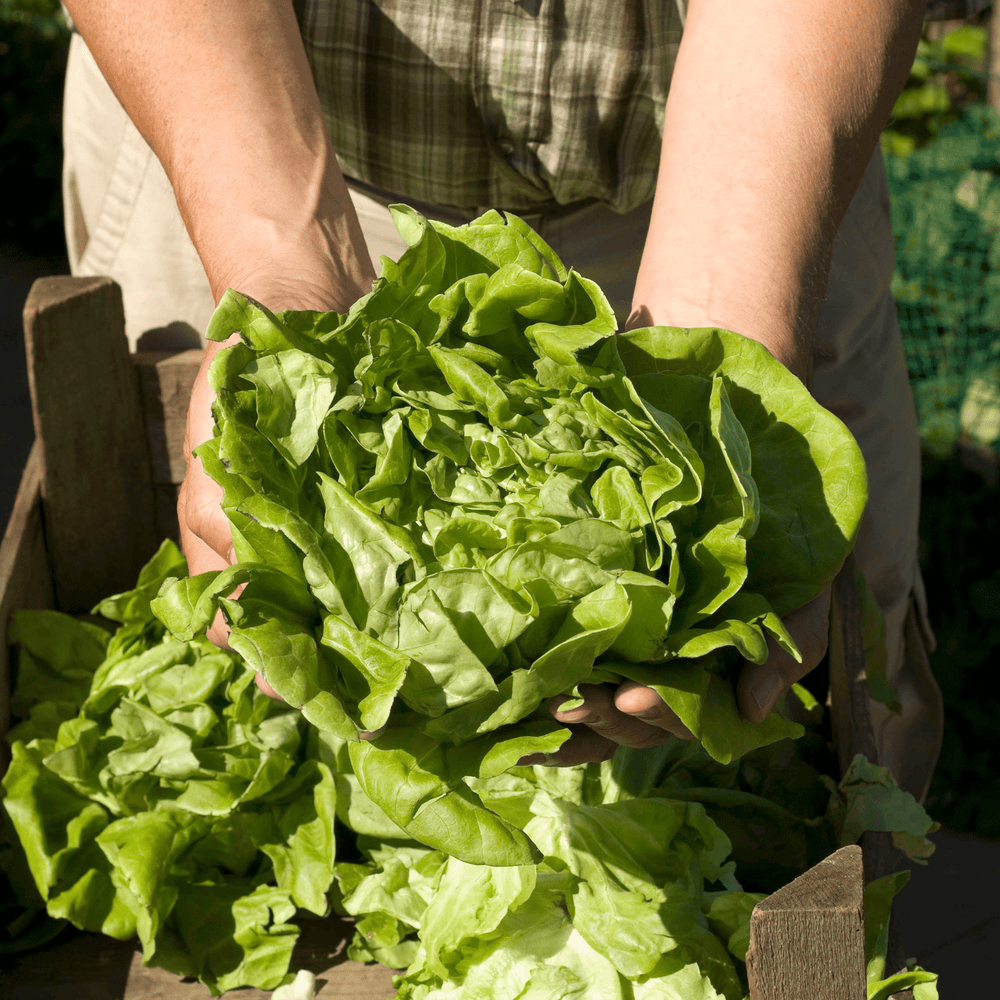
468	495
181	805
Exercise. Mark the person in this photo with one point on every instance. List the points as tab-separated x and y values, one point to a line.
710	163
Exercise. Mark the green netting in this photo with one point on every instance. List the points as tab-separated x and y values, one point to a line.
946	221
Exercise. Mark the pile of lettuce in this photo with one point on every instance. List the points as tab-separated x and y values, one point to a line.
463	497
155	791
468	495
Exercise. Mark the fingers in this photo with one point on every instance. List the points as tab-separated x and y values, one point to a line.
600	713
198	505
259	680
761	684
607	720
206	536
644	703
584	746
635	716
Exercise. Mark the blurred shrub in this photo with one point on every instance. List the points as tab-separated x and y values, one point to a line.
948	74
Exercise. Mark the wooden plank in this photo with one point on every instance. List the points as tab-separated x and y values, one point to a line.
97	495
73	967
165	382
853	734
95	967
165	500
321	948
807	940
852	725
25	576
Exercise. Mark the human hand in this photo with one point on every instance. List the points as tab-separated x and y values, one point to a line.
206	536
634	715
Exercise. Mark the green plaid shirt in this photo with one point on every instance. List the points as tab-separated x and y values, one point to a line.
516	104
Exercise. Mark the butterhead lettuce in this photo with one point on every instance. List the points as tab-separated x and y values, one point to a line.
154	791
468	494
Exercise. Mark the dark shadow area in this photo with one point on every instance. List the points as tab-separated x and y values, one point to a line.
176	336
78	965
959	538
32	70
18	270
949	913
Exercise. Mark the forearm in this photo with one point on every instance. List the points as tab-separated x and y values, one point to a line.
223	93
774	112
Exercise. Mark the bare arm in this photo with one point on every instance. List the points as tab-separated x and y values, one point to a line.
223	93
775	109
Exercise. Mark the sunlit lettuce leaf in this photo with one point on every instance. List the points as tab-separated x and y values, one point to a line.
183	806
468	495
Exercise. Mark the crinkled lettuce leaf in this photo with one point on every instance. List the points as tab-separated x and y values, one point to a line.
158	792
468	494
873	801
181	805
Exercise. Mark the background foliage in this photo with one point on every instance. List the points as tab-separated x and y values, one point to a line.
941	150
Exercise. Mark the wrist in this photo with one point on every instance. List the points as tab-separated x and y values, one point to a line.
783	340
300	247
780	314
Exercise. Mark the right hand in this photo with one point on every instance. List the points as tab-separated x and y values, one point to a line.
205	533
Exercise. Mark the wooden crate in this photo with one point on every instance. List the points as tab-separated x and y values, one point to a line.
97	496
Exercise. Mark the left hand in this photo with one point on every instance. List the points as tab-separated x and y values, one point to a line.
635	716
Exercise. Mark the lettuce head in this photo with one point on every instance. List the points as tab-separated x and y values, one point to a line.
469	494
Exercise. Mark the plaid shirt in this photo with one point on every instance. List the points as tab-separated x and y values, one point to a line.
518	104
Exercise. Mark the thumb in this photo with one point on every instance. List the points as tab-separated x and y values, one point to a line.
761	684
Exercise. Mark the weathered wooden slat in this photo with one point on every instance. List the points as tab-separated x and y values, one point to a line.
321	949
97	495
852	724
95	967
165	381
165	501
25	576
853	734
807	940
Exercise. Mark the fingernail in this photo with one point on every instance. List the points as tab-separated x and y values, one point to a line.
649	713
589	719
766	692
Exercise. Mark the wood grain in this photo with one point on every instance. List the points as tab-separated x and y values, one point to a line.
165	381
807	940
853	735
79	966
25	576
851	720
97	496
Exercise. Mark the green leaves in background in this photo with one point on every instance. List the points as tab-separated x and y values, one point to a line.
155	791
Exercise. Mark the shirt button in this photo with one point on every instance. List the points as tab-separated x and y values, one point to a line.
506	146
